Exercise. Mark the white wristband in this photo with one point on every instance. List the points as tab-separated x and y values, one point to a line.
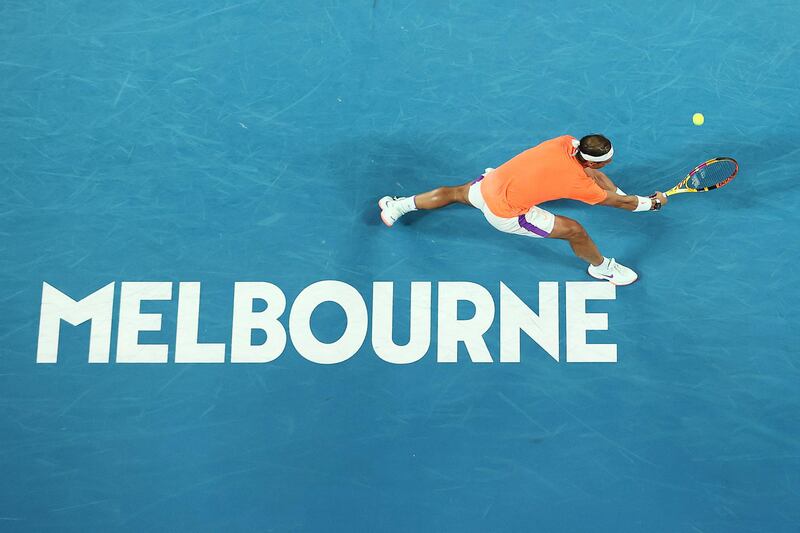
621	192
645	204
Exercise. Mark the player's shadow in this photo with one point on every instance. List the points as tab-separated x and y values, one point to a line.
370	168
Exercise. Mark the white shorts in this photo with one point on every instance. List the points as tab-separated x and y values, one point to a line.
535	223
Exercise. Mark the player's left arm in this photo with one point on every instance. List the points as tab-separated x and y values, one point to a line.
602	191
630	202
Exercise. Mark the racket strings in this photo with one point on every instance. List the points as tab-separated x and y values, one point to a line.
712	174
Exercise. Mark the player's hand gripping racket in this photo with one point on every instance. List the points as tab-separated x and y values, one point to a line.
712	174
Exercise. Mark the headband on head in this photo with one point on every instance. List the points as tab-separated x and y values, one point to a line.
593	158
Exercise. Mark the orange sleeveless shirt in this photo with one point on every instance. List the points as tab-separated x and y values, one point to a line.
548	171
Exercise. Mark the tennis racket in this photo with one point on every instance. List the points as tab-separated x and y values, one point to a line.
712	174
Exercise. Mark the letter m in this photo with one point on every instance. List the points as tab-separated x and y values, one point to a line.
57	306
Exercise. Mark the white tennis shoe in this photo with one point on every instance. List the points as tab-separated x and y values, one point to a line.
390	210
613	273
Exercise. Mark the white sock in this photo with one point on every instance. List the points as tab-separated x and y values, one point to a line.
604	264
407	204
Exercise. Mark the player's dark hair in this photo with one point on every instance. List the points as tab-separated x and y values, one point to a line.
595	145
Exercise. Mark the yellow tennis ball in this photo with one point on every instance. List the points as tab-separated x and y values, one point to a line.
698	119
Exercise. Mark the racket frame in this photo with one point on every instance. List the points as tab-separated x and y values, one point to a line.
680	187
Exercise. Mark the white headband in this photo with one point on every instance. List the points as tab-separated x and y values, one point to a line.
593	158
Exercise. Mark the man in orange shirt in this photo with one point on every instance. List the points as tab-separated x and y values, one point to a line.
509	197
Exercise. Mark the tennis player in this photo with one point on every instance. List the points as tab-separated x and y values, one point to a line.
509	197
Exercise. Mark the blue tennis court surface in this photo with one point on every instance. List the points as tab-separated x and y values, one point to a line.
224	142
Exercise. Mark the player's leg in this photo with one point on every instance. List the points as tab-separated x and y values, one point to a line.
394	208
443	196
583	246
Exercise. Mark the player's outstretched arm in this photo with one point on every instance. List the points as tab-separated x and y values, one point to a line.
631	202
601	179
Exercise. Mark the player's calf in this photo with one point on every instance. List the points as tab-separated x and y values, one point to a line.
600	267
394	207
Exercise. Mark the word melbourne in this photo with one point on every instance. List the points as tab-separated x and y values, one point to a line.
251	318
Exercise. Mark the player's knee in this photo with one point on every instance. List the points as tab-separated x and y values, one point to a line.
573	230
579	232
462	194
452	194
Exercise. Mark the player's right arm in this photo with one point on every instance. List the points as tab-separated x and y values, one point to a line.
630	202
